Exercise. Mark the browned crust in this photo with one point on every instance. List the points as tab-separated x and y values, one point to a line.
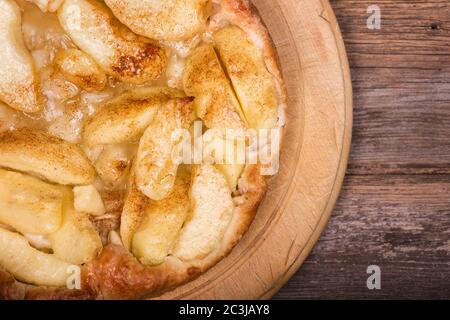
10	289
116	273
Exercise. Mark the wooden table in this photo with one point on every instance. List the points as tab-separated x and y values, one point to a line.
394	210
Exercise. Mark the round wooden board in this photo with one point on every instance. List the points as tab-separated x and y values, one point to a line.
314	157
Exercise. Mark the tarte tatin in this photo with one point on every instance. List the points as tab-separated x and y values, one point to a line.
100	103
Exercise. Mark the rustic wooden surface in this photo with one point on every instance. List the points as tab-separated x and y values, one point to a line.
394	210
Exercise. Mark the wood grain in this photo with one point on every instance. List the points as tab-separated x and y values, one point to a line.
394	210
400	223
401	79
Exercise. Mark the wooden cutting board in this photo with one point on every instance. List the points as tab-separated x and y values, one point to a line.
313	162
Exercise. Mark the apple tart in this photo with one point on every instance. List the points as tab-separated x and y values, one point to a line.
98	100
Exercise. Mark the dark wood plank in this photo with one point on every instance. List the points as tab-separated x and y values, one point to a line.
400	223
401	78
394	210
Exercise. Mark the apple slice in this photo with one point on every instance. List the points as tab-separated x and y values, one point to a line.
252	82
133	211
80	69
125	118
163	20
155	167
113	165
76	241
216	150
215	102
121	54
28	204
212	210
87	199
19	82
38	153
31	265
162	222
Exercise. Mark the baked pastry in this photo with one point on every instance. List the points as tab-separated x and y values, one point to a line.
99	100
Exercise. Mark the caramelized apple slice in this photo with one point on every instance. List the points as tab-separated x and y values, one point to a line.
215	101
212	210
31	265
43	155
76	241
94	29
125	118
155	168
162	222
19	82
163	20
254	85
113	165
80	69
28	204
133	210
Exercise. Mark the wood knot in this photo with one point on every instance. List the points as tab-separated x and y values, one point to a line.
435	26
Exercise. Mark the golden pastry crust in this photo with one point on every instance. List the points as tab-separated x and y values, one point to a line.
116	273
